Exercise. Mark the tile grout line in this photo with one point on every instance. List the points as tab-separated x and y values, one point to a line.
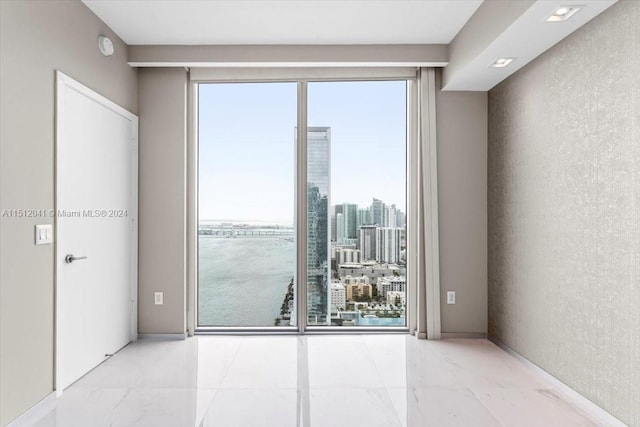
375	365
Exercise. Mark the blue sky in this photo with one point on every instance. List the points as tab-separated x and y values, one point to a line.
246	145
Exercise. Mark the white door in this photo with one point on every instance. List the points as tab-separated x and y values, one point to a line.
96	229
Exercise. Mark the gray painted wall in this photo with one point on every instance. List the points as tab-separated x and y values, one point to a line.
461	123
162	200
462	175
36	38
564	211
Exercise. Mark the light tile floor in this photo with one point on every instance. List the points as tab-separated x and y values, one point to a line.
312	381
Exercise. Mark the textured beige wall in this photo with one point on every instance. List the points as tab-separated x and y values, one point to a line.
564	211
36	38
162	200
461	121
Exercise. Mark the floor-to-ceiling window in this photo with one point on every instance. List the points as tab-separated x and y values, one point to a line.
246	250
354	178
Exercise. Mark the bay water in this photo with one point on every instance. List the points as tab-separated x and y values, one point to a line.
243	281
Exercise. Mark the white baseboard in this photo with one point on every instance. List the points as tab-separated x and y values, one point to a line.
36	412
182	336
578	400
472	335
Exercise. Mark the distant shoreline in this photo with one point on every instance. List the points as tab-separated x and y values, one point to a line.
253	223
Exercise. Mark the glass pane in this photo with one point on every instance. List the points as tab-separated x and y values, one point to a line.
246	252
356	203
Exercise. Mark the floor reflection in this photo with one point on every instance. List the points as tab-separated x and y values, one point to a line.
310	381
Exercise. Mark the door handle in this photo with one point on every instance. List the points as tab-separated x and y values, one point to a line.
70	258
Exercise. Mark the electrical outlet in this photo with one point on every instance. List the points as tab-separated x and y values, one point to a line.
451	297
159	298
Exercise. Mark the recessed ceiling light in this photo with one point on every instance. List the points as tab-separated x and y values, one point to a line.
563	13
501	62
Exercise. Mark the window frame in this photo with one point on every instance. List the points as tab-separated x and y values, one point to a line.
303	76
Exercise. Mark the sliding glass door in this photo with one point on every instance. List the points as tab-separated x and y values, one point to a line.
352	186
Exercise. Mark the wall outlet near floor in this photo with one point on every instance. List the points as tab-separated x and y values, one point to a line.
451	297
159	298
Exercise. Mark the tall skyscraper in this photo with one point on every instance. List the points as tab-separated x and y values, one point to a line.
350	217
335	210
388	245
340	228
318	145
367	242
377	212
318	224
364	217
389	216
400	218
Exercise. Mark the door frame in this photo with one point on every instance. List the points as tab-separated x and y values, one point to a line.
62	82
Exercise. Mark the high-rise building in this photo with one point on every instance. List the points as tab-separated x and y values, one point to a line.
340	228
388	245
377	212
389	219
400	218
335	210
364	217
350	217
318	224
367	242
318	149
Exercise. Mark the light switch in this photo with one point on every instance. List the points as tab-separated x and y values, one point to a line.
44	234
159	298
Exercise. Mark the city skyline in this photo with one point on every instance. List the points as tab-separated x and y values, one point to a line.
286	221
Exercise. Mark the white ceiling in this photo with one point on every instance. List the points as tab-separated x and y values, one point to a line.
523	39
193	22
